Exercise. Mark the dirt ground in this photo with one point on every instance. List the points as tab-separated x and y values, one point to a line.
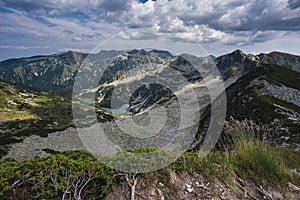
195	187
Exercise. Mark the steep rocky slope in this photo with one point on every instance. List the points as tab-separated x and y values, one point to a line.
269	95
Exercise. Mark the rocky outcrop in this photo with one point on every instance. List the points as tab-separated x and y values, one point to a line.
282	92
281	59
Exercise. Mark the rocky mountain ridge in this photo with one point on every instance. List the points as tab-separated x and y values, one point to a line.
58	71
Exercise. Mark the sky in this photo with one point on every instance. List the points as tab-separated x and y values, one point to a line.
35	27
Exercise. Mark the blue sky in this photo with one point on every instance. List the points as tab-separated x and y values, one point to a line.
30	27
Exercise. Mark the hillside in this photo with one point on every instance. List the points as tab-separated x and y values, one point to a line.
26	111
43	72
269	95
257	156
256	90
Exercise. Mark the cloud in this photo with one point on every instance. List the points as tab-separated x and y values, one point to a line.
82	24
115	5
222	15
228	22
294	4
21	47
76	39
57	7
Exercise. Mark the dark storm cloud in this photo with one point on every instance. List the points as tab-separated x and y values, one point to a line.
68	6
28	5
294	4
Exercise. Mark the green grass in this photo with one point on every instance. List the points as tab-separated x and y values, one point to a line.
282	76
18	103
25	111
250	158
218	165
12	115
256	160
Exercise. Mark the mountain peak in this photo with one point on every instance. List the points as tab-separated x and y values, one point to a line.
161	53
238	52
211	57
136	51
180	60
235	56
69	52
234	62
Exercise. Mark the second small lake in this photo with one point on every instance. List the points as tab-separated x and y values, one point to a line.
119	110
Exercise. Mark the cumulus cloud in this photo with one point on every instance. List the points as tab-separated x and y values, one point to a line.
208	21
228	22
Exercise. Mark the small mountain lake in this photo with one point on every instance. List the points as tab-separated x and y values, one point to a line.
86	100
119	110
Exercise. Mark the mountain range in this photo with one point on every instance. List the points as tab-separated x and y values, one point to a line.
58	71
263	88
